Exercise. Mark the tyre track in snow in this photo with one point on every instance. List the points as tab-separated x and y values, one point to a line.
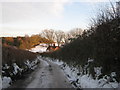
46	75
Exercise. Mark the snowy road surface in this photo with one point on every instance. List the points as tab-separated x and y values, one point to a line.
47	75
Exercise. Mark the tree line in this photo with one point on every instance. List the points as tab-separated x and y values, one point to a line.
47	36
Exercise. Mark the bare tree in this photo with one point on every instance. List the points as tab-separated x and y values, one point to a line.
75	32
66	38
49	34
59	37
107	14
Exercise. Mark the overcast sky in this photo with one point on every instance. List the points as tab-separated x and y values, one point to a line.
20	18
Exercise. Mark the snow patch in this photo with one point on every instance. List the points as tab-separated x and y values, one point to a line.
90	60
16	69
113	74
58	62
32	64
97	71
6	82
88	82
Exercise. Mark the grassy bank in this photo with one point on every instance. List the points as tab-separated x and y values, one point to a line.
14	55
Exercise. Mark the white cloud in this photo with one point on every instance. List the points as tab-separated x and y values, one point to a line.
27	15
17	11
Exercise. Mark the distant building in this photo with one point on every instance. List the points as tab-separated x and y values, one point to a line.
118	7
52	48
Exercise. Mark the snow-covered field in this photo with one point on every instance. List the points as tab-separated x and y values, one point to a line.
40	48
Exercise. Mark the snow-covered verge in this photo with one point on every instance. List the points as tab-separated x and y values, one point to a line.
81	78
11	73
78	79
